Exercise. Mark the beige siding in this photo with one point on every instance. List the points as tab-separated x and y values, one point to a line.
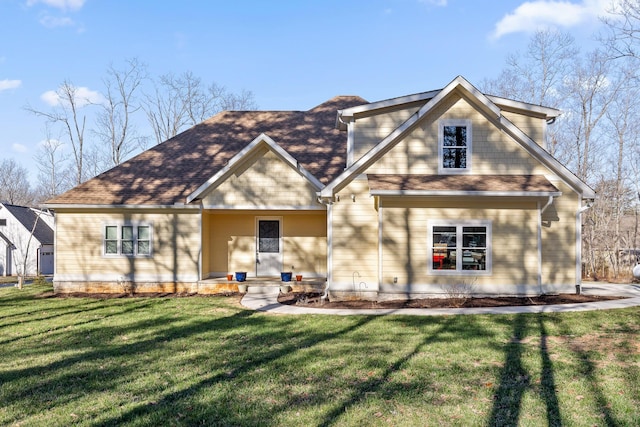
534	127
371	130
265	180
514	242
559	238
80	240
493	152
355	239
230	242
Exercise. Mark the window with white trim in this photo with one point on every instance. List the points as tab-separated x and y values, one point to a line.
454	146
127	240
460	247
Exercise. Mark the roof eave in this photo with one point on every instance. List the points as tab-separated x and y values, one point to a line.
57	206
464	193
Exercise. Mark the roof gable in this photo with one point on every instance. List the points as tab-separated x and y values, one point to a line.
262	141
478	100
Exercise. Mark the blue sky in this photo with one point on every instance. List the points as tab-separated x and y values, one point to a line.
292	55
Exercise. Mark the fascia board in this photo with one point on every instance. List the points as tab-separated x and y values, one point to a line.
76	206
407	126
547	159
445	193
505	102
484	101
254	145
424	96
392	102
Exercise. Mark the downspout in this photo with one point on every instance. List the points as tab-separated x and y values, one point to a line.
200	275
541	212
579	245
380	240
329	250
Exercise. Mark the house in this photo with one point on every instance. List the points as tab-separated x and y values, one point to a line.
26	241
404	197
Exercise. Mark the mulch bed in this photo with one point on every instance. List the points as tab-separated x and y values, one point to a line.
313	300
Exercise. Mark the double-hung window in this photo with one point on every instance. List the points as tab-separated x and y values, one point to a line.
460	247
128	240
454	146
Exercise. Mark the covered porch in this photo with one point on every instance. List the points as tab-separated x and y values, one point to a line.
263	244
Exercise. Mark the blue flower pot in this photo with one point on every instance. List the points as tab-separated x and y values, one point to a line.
241	276
286	276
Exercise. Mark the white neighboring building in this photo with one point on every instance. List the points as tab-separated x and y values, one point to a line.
26	234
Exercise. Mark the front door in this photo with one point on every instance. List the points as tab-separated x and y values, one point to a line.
268	246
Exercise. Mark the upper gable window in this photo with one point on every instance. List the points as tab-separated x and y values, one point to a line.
454	146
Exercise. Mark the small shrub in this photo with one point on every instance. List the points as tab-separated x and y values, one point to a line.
460	290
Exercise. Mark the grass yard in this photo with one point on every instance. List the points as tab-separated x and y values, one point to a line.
208	361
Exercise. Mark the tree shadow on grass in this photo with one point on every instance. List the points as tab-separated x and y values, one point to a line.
71	310
515	380
219	411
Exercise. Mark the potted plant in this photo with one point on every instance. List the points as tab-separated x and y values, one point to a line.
241	276
229	277
286	276
298	277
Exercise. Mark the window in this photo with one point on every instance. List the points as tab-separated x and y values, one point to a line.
460	247
454	146
128	240
3	222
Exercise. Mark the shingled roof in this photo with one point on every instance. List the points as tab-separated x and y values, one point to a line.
167	173
534	184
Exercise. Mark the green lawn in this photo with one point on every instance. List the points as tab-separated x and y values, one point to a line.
208	361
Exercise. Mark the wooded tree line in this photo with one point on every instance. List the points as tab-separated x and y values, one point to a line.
89	132
596	137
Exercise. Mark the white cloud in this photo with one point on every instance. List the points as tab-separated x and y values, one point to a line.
533	15
54	22
19	148
83	96
59	4
7	84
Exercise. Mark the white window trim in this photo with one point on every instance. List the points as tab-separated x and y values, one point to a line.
454	122
459	224
119	226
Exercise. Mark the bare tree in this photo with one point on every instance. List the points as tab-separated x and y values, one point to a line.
535	75
588	92
114	124
14	184
623	24
51	159
68	114
181	101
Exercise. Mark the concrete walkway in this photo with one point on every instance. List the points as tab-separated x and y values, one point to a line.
266	299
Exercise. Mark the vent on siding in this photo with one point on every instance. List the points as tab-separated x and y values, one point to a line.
3	222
